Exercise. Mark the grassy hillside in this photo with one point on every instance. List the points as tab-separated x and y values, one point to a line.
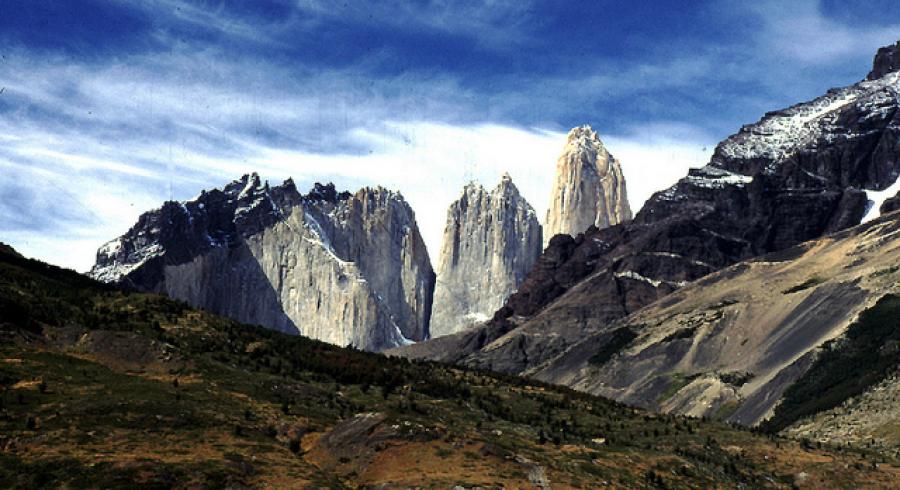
104	388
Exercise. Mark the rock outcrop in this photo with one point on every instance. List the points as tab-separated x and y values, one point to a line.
890	204
795	175
589	189
491	241
887	60
342	268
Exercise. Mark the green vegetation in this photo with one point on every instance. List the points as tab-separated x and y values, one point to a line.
617	340
724	304
725	411
677	381
736	378
106	388
846	367
811	282
883	272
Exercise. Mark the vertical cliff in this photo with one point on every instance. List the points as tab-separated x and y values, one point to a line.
589	188
490	243
342	268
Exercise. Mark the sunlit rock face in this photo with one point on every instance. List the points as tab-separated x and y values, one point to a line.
491	241
589	189
345	269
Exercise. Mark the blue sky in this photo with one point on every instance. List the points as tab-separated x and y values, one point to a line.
110	107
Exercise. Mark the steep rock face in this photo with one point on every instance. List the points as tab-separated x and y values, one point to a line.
887	59
346	269
589	189
793	176
491	241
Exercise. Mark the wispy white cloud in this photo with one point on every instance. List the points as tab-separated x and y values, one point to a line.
800	31
60	215
497	24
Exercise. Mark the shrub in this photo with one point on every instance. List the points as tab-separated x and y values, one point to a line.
616	341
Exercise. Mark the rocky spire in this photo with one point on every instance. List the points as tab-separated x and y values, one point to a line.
589	187
887	59
490	243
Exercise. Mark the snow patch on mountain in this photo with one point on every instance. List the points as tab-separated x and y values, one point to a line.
716	178
115	271
877	198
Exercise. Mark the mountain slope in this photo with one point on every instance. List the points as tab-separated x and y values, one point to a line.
102	388
771	339
346	269
491	241
795	175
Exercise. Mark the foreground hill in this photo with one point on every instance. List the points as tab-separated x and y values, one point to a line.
102	388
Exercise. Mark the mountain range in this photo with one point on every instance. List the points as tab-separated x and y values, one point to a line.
761	291
585	315
352	269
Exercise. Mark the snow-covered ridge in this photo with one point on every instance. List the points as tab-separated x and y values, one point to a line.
708	177
120	257
780	134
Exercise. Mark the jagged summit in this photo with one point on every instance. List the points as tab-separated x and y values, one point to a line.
887	60
582	134
491	240
589	189
326	192
340	267
507	187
